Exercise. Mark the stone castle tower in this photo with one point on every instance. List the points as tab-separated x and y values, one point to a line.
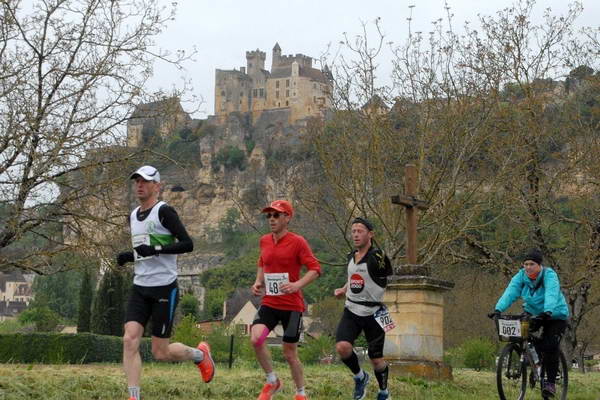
292	84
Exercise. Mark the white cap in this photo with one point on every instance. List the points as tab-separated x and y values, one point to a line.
147	172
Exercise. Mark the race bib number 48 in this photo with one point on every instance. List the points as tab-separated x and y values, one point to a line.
509	327
273	283
383	318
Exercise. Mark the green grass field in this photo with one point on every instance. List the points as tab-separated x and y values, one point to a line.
181	381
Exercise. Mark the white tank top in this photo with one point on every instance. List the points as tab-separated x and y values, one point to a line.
362	288
158	270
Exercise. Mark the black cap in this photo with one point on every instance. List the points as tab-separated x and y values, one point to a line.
364	221
534	255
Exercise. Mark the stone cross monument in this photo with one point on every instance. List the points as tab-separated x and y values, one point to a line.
416	303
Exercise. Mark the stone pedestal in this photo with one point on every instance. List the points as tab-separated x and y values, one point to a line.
415	346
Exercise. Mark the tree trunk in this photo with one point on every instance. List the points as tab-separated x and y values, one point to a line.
577	299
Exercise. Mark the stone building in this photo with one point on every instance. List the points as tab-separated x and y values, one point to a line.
15	294
160	118
292	83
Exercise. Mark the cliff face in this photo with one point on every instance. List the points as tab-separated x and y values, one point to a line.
202	195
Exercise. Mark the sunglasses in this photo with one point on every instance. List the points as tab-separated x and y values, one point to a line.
274	215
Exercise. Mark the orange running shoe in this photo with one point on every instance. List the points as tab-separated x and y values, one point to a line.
269	390
300	397
207	365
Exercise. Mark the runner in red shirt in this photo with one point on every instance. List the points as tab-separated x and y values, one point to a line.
282	254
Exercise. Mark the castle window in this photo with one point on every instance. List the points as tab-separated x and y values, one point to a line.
254	93
261	92
277	84
294	94
314	85
241	94
314	99
287	103
277	94
287	83
278	104
222	93
287	93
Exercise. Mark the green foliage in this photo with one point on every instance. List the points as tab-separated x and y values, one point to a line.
230	157
57	348
314	349
221	282
213	303
328	312
233	238
250	144
188	305
478	354
109	305
45	319
220	343
60	291
184	147
15	326
86	295
187	332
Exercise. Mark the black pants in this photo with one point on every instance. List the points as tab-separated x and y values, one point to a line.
548	345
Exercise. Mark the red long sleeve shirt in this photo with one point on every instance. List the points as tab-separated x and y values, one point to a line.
289	254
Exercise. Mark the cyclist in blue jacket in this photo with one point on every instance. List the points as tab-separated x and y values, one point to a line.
539	287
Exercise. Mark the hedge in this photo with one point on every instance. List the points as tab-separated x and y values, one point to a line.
62	348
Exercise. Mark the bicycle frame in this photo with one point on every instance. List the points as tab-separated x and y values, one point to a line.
518	355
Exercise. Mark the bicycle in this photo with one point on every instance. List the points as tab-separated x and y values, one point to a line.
519	356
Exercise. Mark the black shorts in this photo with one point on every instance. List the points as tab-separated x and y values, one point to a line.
290	320
350	327
158	302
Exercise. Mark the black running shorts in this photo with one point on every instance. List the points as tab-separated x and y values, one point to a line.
350	327
290	320
158	302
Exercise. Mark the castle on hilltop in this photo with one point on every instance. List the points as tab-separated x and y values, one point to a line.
293	84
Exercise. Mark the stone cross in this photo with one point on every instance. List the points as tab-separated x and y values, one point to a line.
409	200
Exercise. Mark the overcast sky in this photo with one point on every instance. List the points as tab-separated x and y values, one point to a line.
223	30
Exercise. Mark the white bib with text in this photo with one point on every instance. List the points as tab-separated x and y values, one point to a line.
273	283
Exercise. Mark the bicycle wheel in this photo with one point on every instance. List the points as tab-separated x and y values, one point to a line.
562	378
511	373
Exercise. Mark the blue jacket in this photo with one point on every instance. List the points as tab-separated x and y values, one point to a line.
547	296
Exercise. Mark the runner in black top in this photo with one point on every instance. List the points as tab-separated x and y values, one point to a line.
368	269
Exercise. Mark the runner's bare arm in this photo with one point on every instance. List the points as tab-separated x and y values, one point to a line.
293	287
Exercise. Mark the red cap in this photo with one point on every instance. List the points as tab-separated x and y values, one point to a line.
282	206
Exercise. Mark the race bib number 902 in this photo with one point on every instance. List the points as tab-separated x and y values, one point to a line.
509	327
273	283
384	319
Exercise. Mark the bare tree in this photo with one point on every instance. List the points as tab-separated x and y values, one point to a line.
505	148
70	73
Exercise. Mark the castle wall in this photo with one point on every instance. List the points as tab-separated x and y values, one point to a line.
232	92
258	91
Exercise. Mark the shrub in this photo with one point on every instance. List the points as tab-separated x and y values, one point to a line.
478	354
58	348
314	349
189	305
187	332
43	317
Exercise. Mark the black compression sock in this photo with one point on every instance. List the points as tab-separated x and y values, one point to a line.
382	377
352	363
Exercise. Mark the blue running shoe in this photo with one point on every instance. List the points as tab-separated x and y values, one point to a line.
383	395
360	386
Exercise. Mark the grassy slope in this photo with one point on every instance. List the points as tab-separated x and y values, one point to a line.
162	382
